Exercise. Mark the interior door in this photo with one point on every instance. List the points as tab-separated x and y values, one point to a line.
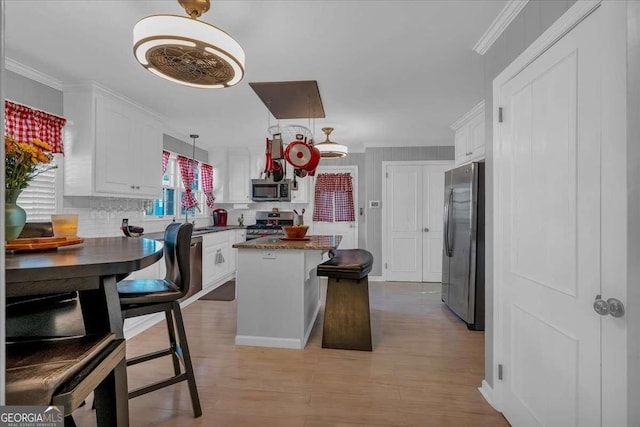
404	229
432	227
413	227
549	230
347	229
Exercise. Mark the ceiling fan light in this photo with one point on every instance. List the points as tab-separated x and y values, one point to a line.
329	149
332	150
188	51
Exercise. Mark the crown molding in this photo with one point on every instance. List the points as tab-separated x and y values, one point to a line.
31	73
477	109
502	21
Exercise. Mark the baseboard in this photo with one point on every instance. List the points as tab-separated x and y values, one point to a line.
310	326
268	342
376	278
487	392
136	328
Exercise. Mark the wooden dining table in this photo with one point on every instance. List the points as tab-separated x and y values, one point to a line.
92	268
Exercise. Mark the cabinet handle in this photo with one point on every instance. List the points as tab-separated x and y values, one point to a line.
132	187
137	187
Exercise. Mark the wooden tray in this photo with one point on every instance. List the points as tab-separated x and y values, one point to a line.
41	243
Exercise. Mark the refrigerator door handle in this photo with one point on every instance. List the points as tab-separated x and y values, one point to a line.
447	211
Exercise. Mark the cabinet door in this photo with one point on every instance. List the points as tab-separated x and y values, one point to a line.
239	176
115	162
147	136
461	145
215	263
302	194
238	236
476	137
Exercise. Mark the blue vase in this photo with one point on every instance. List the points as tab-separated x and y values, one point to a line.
14	216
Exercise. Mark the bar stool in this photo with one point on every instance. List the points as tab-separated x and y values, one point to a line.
347	320
64	371
144	296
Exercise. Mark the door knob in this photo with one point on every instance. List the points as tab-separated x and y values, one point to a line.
601	306
612	306
426	230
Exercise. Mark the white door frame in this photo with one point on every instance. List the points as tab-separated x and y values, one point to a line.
614	365
385	165
353	169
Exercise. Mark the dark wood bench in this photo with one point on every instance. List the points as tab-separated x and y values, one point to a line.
64	371
347	320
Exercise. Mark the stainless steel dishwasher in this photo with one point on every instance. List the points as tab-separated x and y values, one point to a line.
195	261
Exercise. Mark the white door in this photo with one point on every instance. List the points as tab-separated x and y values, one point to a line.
549	222
347	229
413	203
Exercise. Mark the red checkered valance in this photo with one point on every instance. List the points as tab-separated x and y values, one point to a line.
165	160
207	183
23	123
188	170
333	201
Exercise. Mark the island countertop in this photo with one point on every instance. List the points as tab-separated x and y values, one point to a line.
315	243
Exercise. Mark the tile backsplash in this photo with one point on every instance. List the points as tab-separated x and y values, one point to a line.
102	216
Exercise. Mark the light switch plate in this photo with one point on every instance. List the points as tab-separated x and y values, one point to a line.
268	255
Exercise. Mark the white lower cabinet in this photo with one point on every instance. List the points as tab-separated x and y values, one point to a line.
216	257
238	236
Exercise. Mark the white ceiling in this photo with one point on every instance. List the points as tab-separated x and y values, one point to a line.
390	73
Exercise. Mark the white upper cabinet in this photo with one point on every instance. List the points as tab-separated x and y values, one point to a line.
469	136
231	174
239	176
113	147
301	195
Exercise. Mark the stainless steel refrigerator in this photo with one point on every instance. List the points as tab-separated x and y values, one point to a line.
463	245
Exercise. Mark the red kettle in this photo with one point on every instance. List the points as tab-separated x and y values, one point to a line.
220	217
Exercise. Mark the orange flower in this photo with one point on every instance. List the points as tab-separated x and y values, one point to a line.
24	160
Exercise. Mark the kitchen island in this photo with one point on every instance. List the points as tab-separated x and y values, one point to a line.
278	290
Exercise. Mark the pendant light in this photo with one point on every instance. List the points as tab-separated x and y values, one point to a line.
188	51
329	149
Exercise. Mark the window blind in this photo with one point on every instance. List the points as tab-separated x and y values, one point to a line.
39	198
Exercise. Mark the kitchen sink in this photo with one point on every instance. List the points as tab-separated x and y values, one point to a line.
209	229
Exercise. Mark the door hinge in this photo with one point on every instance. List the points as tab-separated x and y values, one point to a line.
499	372
385	265
499	114
387	174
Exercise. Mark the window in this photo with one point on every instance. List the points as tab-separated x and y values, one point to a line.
39	198
333	201
173	191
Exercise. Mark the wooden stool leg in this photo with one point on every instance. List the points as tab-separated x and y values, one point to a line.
347	321
188	367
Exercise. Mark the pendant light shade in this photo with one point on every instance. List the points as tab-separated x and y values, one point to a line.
329	149
188	51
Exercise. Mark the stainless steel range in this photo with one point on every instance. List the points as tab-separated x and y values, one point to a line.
269	223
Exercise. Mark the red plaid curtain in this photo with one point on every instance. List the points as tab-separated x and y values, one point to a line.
165	160
23	123
207	183
333	200
188	169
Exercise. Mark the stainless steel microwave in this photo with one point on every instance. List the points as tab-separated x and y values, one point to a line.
263	190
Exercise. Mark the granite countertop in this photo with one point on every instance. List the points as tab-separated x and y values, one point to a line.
198	231
314	243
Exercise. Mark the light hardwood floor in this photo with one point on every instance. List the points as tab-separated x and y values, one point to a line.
424	371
